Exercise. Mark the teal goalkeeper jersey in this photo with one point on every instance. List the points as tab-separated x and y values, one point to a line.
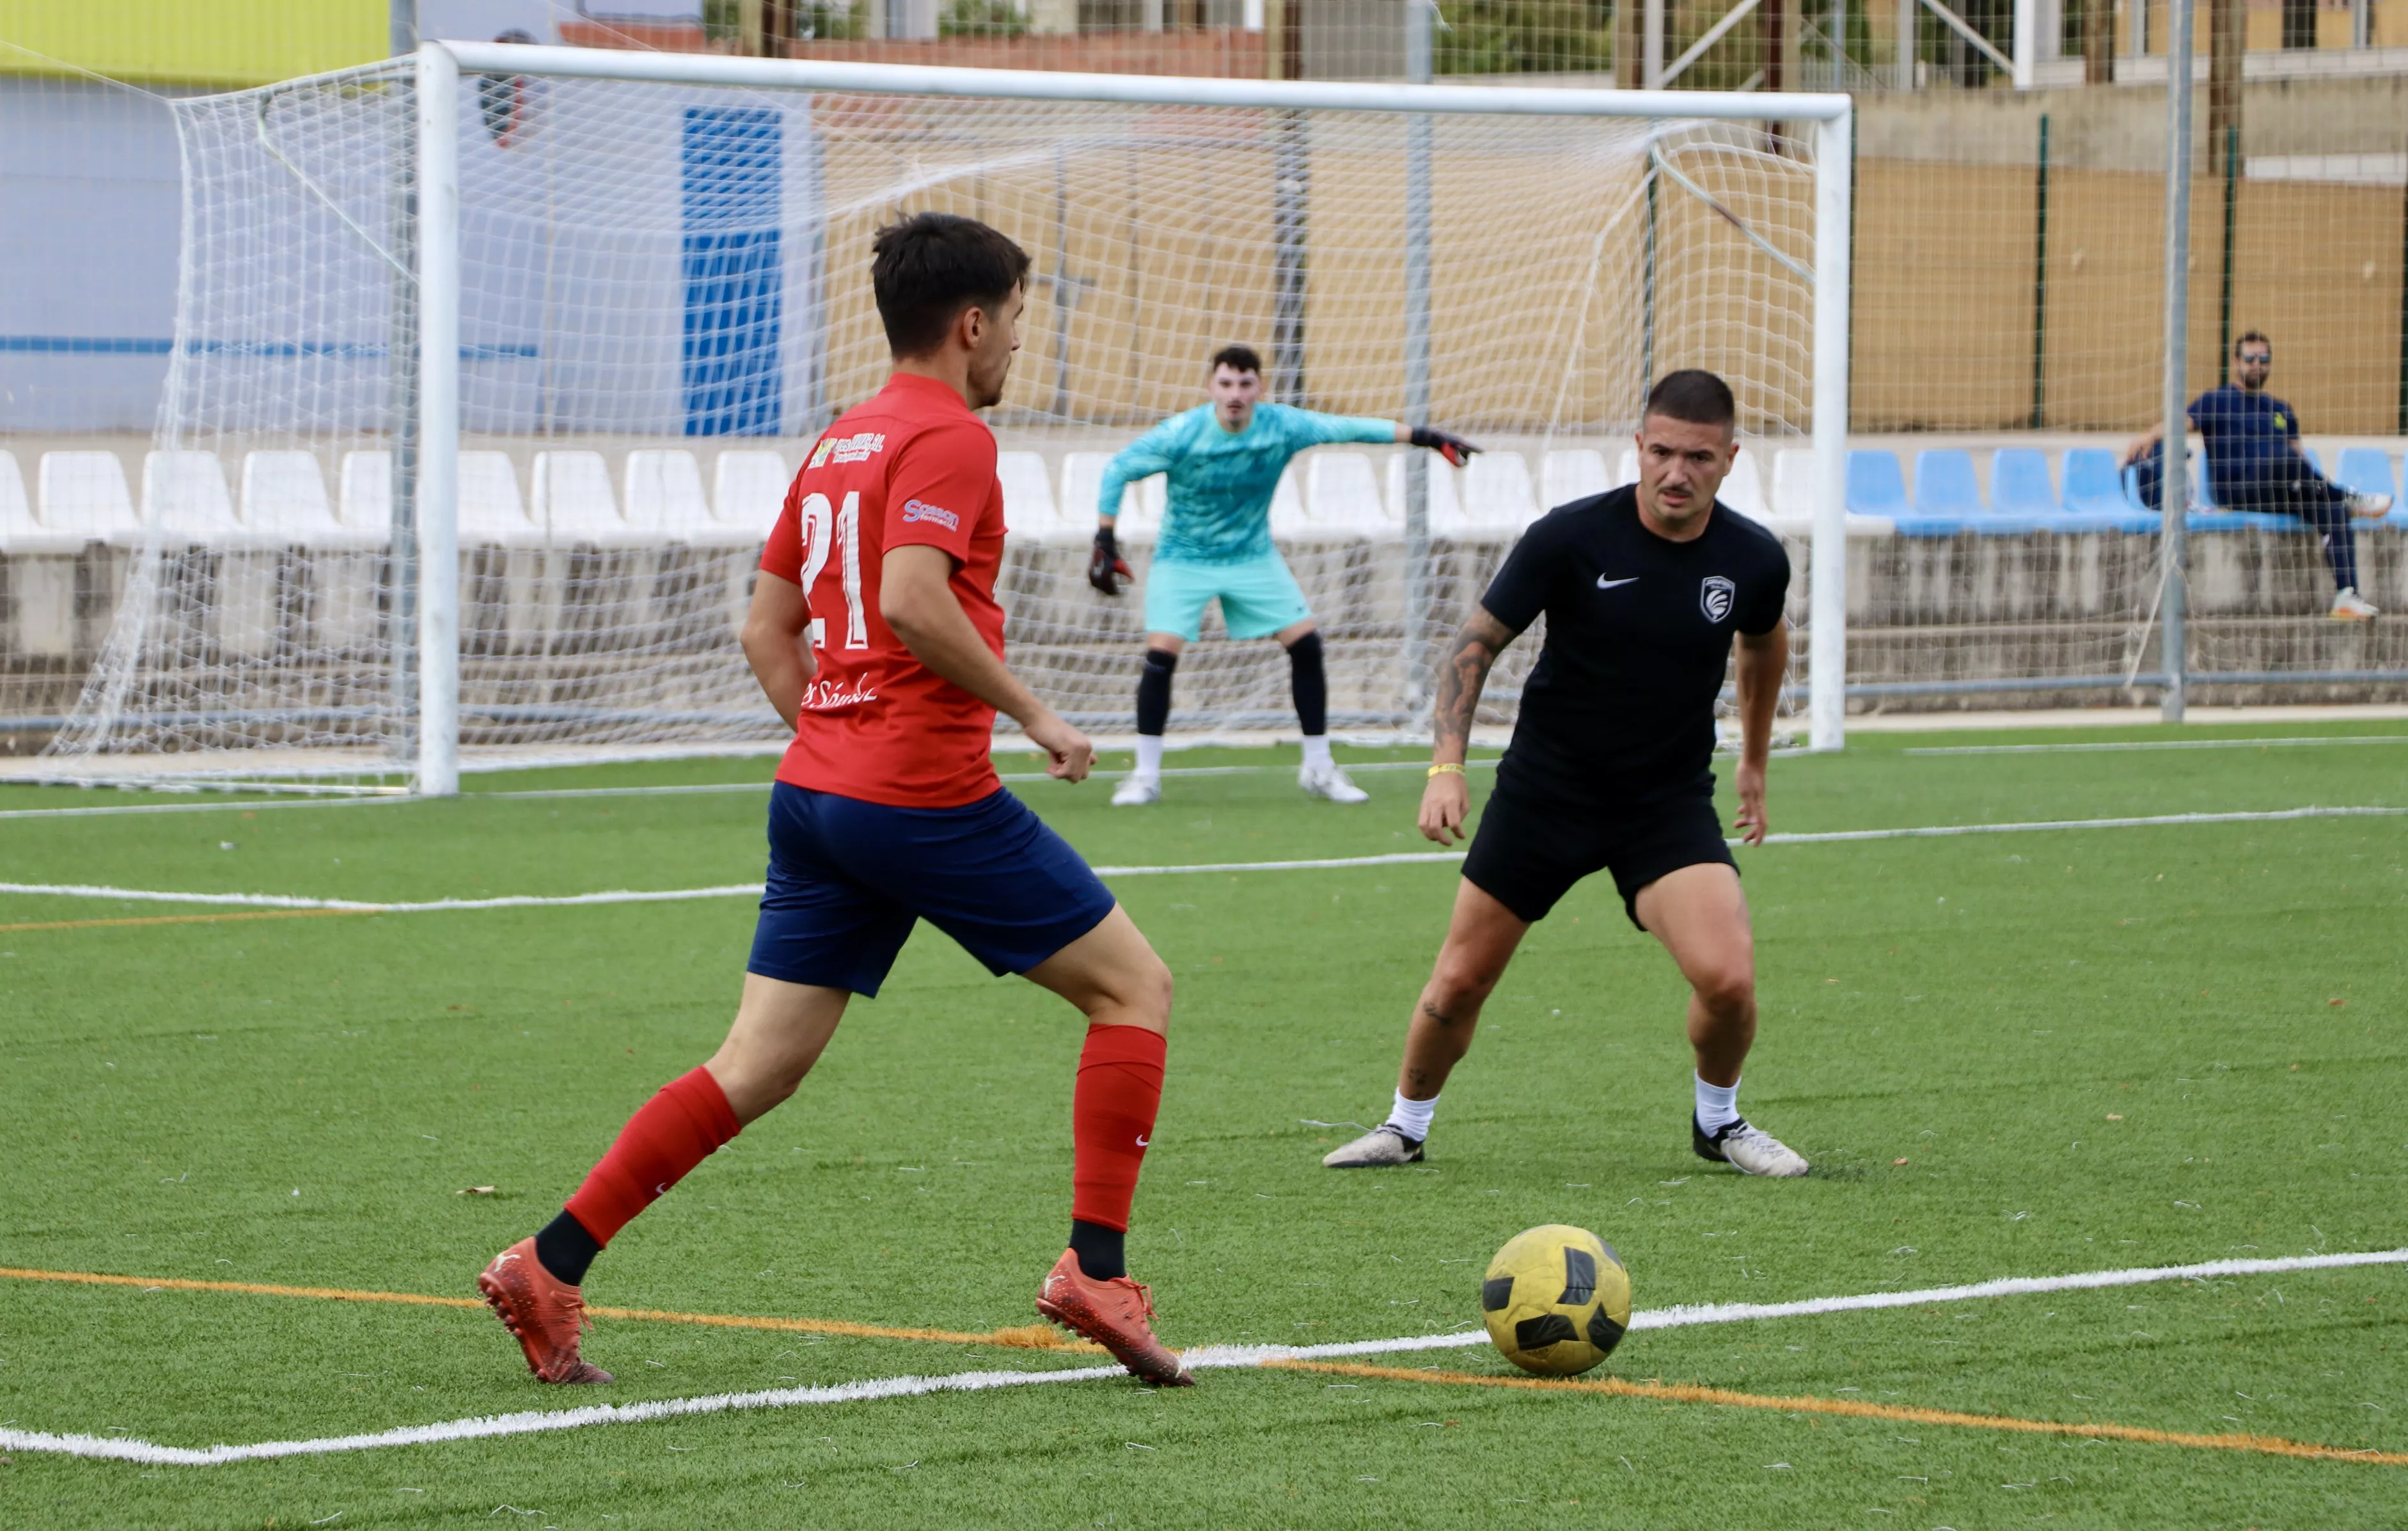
1220	481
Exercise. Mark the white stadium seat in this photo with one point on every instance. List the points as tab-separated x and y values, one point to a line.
1288	518
20	531
1445	502
284	501
1497	492
1082	481
363	496
1792	510
1028	507
1626	467
41	590
1744	489
184	498
572	501
748	490
665	502
492	514
83	495
1343	497
1572	473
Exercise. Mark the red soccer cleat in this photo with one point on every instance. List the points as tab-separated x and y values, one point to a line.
1114	1315
547	1314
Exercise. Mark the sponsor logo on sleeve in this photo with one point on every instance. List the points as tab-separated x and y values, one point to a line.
915	510
1715	595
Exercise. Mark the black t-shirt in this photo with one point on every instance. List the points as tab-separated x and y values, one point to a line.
1638	636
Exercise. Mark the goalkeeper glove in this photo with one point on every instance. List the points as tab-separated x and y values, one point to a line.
1453	448
1106	568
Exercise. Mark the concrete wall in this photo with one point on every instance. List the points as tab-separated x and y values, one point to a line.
2125	128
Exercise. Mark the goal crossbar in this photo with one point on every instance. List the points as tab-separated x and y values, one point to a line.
441	64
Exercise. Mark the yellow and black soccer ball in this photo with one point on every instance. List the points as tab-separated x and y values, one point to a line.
1556	1299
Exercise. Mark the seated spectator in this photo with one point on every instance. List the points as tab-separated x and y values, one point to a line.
2254	463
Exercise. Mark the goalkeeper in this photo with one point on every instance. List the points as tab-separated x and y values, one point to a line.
1224	459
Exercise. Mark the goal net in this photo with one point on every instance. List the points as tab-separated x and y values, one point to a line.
437	489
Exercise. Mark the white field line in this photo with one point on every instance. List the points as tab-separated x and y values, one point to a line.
536	1421
2117	745
665	790
2040	826
737	890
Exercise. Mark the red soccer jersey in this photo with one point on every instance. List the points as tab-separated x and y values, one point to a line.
911	465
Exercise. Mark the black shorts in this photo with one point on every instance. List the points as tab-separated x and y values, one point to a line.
1530	850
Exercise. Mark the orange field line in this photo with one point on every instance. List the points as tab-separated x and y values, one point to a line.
181	920
1685	1393
1034	1336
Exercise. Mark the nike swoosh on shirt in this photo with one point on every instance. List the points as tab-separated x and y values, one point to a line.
1604	583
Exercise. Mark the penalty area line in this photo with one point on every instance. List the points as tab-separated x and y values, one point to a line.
732	890
1301	1358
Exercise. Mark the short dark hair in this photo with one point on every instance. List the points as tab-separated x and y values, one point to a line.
1694	394
928	267
2249	337
1242	358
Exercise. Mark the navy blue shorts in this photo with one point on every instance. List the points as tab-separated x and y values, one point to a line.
848	879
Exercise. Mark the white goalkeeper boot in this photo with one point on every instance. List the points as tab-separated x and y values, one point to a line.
1136	790
1327	781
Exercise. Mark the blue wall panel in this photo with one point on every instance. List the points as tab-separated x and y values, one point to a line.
733	178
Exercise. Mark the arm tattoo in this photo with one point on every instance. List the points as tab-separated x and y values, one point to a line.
1462	674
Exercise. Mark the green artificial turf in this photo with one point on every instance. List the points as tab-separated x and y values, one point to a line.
2022	1054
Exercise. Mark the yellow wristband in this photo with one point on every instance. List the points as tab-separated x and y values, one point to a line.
1446	768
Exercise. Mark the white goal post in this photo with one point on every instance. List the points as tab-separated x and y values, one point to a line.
452	284
441	64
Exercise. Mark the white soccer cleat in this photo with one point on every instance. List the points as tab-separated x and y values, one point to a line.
2349	606
1378	1148
1747	1150
1329	782
2368	506
1136	792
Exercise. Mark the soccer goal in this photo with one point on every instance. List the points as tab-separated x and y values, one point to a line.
492	366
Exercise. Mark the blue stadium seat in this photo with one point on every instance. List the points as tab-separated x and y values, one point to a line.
1946	501
2093	483
1876	485
1944	483
2366	470
2019	482
2098	497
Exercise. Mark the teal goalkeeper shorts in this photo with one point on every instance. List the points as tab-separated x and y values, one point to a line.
1259	597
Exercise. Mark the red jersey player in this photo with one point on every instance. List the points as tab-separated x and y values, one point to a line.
875	632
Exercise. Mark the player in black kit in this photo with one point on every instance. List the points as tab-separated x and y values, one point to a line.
1644	589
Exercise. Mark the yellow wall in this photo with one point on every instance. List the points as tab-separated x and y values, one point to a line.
216	42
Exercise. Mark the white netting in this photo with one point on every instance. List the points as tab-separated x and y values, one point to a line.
665	297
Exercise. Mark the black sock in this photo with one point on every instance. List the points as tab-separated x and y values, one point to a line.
1154	692
1100	1251
566	1248
1312	685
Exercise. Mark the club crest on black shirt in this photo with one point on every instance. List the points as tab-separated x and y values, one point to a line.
1715	594
1621	702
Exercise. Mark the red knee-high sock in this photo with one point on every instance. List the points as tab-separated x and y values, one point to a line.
1112	1116
675	1131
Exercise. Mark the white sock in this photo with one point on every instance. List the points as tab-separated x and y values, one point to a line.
1316	751
1149	755
1717	1105
1412	1118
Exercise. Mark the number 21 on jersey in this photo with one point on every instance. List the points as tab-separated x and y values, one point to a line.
818	523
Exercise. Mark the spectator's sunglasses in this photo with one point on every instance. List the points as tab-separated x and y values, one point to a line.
2257	358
